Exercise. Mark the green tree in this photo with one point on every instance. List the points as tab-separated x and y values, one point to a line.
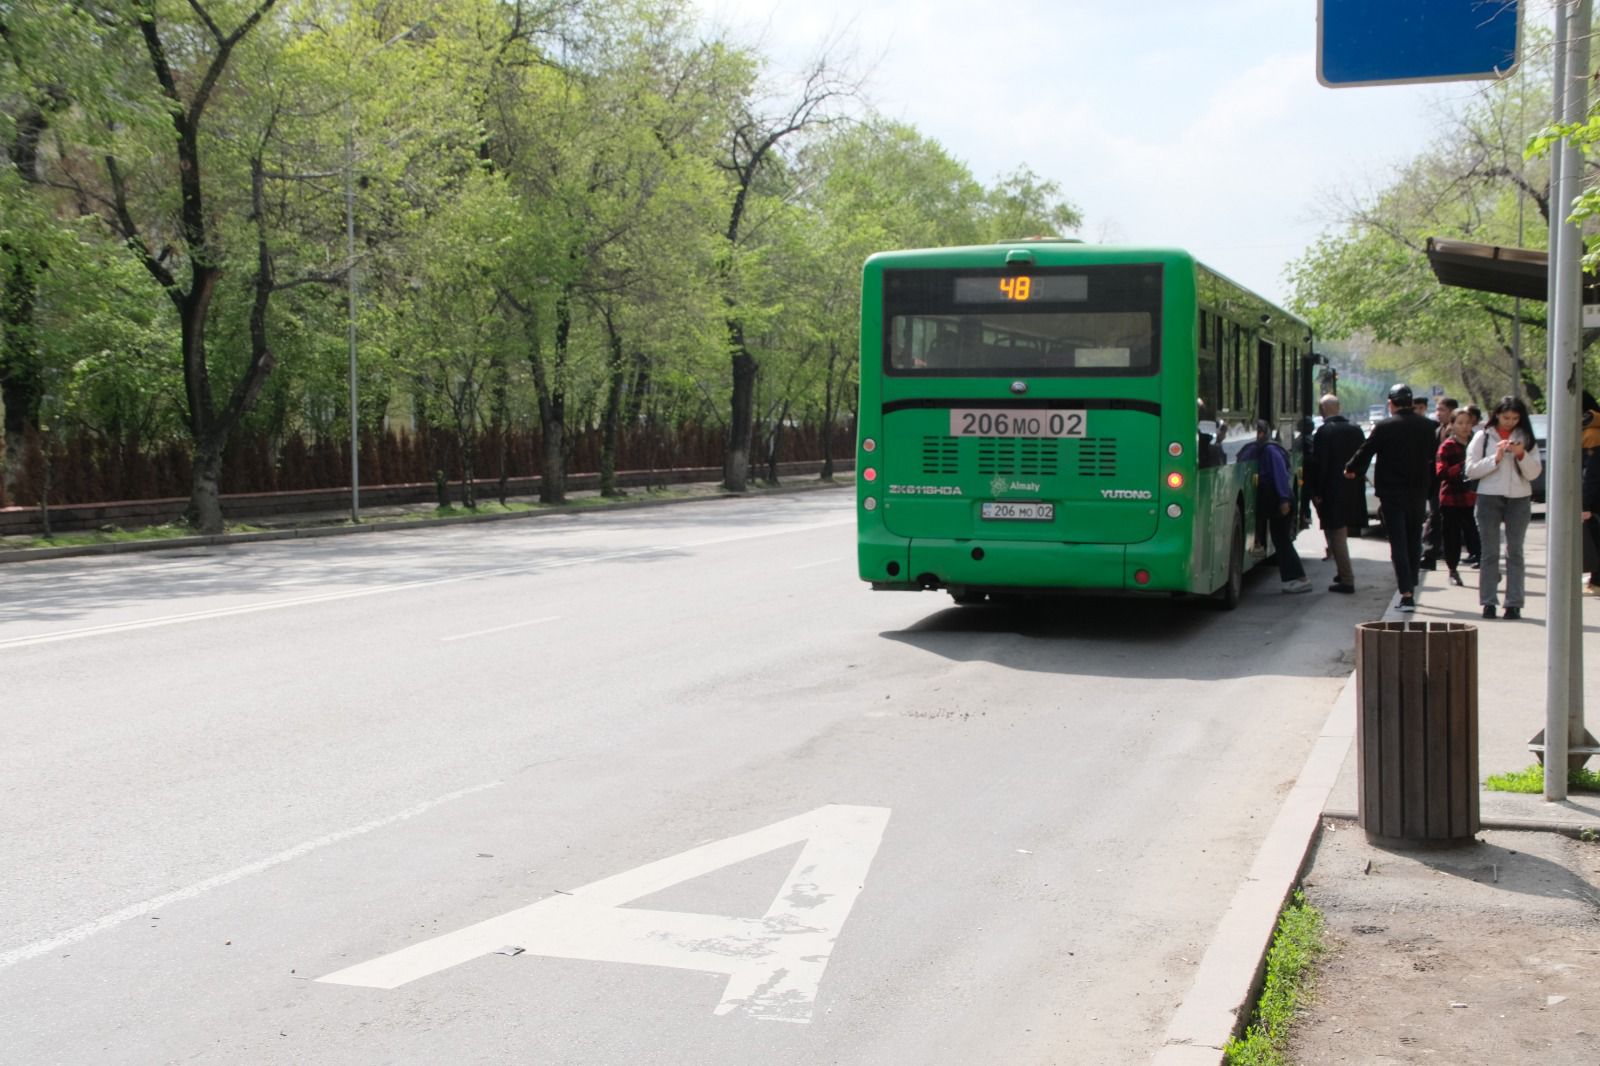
757	132
1371	277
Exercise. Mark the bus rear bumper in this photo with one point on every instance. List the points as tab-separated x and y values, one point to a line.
1043	565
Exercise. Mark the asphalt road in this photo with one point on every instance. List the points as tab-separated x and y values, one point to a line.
662	786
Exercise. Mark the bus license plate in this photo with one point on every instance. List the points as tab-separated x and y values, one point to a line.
1019	512
1004	422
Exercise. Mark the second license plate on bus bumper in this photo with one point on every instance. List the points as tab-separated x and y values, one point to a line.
1020	512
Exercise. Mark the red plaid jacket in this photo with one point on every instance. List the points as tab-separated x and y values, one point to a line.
1448	464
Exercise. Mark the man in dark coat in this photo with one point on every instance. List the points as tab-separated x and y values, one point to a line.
1341	502
1404	446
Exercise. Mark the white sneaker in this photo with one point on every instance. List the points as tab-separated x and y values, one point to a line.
1297	585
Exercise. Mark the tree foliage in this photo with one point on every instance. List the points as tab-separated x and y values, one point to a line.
1369	277
571	215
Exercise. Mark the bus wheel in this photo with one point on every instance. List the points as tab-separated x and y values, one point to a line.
1227	597
966	597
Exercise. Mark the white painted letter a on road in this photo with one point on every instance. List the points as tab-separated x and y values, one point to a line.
774	963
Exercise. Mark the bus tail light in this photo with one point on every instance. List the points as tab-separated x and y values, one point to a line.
1175	480
1141	577
869	445
1173	511
869	474
870	503
1174	449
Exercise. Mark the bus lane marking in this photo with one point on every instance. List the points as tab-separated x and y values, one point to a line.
774	963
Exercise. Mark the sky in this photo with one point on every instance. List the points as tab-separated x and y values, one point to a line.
1195	123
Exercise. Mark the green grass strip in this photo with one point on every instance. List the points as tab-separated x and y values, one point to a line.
1531	780
1295	946
114	536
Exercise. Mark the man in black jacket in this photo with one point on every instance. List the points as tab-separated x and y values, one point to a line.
1342	504
1404	446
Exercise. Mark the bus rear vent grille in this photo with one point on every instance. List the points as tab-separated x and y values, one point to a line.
1017	457
939	456
1097	457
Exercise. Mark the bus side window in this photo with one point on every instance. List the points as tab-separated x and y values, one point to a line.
1285	378
1207	369
1236	356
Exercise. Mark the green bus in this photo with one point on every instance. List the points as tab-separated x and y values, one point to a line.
1031	416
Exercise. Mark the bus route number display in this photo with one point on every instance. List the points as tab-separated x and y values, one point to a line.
1022	289
1010	422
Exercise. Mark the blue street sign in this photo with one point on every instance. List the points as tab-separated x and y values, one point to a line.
1394	42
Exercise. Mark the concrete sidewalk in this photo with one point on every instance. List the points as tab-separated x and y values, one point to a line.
1487	953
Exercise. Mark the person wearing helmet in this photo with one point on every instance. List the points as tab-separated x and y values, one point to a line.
1404	446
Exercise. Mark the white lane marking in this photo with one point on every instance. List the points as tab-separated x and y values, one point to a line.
820	562
771	532
378	590
88	929
502	629
248	608
774	963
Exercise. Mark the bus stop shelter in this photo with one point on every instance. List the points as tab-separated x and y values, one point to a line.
1492	268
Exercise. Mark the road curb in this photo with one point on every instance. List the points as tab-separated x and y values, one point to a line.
1225	983
1217	1005
22	555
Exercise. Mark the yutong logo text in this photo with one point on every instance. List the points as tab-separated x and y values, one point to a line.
1127	494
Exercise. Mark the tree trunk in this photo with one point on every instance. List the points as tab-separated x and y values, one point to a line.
742	404
553	409
205	503
469	491
204	513
775	445
551	394
641	387
21	383
47	451
502	422
552	457
828	412
611	417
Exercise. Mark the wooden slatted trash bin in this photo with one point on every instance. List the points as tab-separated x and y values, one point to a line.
1417	733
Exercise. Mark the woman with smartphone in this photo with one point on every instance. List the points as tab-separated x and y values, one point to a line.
1504	459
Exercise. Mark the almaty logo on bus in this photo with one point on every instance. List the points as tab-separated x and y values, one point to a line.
1000	484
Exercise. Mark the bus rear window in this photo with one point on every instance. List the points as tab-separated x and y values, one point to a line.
1104	322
